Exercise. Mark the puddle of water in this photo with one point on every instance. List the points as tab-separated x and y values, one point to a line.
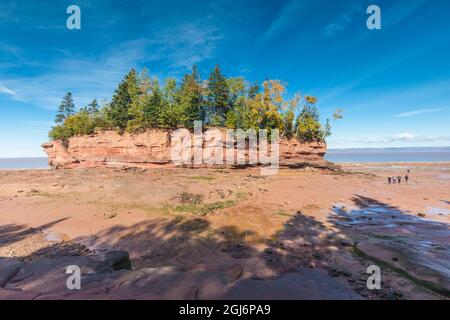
438	211
379	217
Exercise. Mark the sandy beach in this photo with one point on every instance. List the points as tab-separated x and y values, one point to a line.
201	219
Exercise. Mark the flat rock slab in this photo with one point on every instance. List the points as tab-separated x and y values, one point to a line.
303	285
49	275
416	248
109	277
429	268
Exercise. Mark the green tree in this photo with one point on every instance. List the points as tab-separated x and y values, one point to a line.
270	104
66	108
289	117
141	106
307	125
127	92
173	113
140	103
93	107
236	90
218	94
80	123
191	98
153	108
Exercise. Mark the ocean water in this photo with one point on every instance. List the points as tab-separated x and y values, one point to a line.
23	163
335	155
430	154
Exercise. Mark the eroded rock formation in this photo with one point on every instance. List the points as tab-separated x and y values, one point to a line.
150	148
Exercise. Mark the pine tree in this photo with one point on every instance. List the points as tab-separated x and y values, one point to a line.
153	108
172	109
127	91
66	108
93	107
217	97
192	98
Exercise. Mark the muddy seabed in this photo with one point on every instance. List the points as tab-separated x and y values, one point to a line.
305	233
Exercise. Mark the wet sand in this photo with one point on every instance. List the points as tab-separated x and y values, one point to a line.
336	222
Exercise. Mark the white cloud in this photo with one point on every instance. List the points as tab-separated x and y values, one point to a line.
403	137
340	23
184	45
180	47
5	90
417	112
85	78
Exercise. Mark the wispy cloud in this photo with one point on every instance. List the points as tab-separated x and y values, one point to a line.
87	78
417	112
5	90
340	22
287	15
184	45
178	47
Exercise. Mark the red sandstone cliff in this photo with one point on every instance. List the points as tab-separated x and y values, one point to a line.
150	148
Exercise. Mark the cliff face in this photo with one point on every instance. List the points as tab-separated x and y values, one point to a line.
149	149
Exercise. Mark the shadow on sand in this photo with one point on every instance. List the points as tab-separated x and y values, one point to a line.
333	255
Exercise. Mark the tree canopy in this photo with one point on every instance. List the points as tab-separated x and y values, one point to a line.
140	102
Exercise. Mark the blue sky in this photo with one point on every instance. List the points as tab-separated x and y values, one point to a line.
393	84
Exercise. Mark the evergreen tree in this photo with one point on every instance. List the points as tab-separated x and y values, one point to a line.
172	109
65	109
127	91
192	98
153	108
93	107
139	103
217	97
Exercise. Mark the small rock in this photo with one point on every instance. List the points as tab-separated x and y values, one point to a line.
110	215
422	215
346	243
221	193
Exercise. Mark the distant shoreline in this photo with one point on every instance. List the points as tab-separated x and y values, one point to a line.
345	157
345	164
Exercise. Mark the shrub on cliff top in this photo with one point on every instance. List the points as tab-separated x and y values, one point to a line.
139	103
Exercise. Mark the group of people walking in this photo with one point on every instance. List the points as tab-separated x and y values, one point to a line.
398	179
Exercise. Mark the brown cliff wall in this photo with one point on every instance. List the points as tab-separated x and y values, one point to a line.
151	148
